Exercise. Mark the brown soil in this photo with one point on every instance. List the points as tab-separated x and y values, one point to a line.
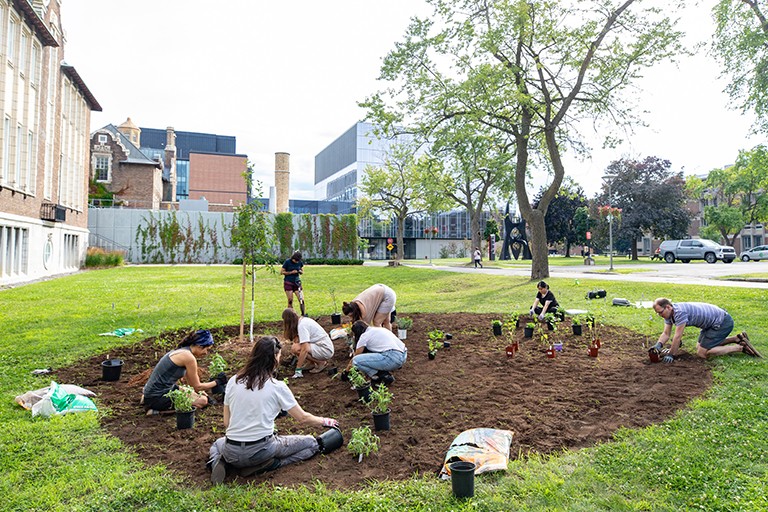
568	402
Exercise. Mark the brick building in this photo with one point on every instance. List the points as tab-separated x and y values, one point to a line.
44	131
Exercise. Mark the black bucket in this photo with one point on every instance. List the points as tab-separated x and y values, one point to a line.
330	440
364	393
185	420
462	478
336	318
111	368
381	421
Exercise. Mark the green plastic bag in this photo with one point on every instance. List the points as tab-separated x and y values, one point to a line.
65	402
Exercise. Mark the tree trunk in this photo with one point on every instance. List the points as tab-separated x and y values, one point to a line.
634	249
474	227
400	239
538	244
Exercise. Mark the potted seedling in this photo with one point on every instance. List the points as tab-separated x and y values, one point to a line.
362	386
434	343
181	398
528	331
363	442
551	320
403	324
576	325
381	397
514	319
496	324
335	316
216	370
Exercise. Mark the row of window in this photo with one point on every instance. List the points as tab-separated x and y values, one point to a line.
13	251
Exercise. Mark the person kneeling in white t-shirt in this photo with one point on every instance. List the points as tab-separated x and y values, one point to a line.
309	342
377	352
254	398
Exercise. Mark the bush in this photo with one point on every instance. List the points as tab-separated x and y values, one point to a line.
333	261
98	257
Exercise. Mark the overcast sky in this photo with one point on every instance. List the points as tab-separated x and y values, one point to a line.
287	76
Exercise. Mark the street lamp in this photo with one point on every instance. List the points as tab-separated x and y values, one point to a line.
608	180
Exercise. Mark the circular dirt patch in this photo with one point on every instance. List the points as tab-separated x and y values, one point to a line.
571	401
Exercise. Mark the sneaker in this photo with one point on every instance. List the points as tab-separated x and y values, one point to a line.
747	347
152	412
218	471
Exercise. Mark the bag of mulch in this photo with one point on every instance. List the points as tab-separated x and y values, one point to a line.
57	402
30	398
488	448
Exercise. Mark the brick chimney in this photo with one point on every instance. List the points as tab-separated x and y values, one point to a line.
169	162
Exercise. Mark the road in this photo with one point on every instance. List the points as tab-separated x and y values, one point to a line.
674	273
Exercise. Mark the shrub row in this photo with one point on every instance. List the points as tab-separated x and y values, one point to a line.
308	261
98	257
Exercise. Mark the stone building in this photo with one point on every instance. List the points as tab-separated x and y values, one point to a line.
44	130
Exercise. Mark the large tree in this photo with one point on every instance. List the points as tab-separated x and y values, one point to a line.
477	162
562	216
741	45
404	185
736	195
652	198
530	69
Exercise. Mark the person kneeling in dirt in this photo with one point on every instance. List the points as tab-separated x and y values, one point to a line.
373	306
377	352
178	363
254	398
309	342
715	324
545	302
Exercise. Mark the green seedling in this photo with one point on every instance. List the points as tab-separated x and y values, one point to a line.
363	442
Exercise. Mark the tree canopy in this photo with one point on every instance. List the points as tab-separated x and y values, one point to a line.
529	69
652	199
562	218
741	46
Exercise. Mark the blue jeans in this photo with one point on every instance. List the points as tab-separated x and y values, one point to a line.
373	362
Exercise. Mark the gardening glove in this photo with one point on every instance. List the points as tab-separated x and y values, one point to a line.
658	346
667	359
541	317
532	312
298	374
665	351
330	423
221	379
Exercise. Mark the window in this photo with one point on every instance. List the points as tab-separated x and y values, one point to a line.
34	65
13	250
6	176
23	52
19	142
101	168
102	139
31	162
12	23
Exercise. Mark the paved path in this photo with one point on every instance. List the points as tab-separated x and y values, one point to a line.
675	273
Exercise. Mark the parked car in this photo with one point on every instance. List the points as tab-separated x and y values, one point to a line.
755	254
698	249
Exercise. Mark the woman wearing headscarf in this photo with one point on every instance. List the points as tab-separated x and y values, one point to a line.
254	398
178	363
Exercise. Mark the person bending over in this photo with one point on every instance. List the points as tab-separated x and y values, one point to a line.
715	324
545	302
374	306
254	398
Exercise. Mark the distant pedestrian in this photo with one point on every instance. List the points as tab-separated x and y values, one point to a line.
715	324
292	269
477	256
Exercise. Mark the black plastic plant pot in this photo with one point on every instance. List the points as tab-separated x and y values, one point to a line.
110	369
185	420
576	329
462	479
448	336
218	390
497	330
381	420
446	344
431	355
336	319
528	333
330	440
393	316
550	326
332	371
364	393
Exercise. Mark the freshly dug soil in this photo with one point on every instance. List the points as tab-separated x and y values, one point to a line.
568	402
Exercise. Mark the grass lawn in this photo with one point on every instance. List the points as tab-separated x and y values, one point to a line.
711	456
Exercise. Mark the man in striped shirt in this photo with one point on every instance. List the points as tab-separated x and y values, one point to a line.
715	324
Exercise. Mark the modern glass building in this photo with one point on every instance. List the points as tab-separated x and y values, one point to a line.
339	168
